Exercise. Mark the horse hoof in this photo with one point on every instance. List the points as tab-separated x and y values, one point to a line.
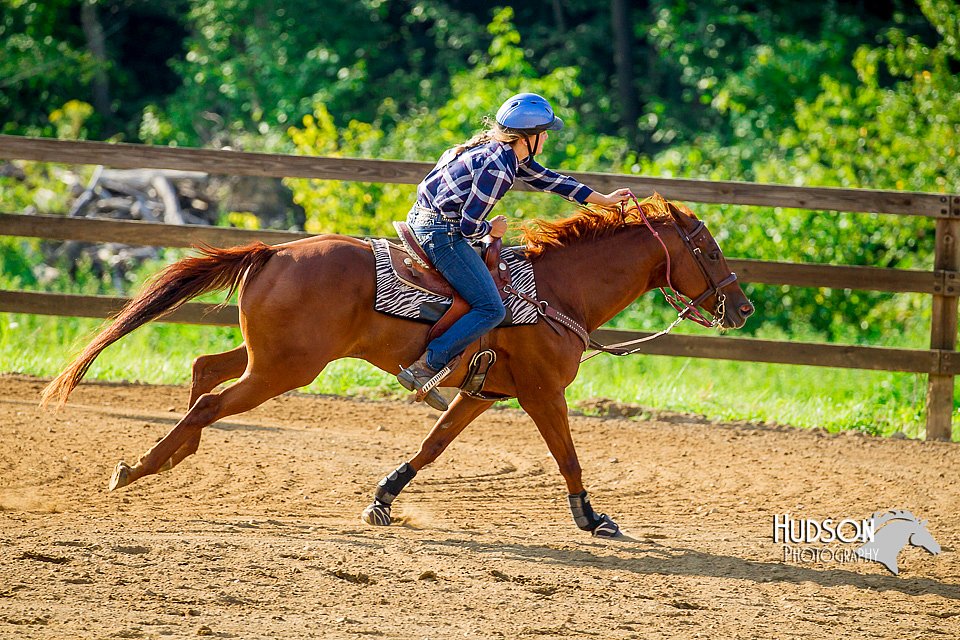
121	476
607	528
377	514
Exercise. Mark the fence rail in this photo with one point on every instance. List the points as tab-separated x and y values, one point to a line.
940	362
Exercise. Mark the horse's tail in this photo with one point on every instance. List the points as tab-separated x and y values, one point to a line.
214	269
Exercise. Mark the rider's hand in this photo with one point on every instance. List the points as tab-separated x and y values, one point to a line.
498	226
615	197
609	199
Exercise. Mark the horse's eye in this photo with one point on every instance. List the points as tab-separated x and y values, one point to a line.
714	256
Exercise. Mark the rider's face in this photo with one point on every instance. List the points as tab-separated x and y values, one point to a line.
543	139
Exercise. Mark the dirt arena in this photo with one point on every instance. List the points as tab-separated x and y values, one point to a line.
258	535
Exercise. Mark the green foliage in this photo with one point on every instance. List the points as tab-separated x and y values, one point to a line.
18	258
69	120
731	70
898	135
39	187
888	125
47	60
253	66
354	208
42	63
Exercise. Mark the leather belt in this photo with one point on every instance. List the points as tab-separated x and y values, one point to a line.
423	217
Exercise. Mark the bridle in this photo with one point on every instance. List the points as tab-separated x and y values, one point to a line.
685	308
690	308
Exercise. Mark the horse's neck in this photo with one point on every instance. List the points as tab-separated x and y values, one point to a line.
596	280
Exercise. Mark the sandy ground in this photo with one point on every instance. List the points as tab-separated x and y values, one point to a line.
258	535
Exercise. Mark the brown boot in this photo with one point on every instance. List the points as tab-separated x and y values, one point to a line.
418	374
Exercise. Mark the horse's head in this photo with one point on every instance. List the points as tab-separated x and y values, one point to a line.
893	530
700	272
924	539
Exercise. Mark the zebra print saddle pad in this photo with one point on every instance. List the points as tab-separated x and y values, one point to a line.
397	298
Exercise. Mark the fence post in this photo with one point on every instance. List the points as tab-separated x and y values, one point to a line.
943	329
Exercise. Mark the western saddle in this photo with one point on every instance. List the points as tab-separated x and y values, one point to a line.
414	267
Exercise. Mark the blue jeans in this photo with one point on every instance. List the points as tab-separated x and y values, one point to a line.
466	272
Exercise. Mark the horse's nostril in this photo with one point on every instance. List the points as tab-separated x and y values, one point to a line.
746	309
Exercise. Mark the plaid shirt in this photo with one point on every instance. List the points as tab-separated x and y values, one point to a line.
467	186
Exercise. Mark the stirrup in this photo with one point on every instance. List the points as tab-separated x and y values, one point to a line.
433	399
414	378
430	384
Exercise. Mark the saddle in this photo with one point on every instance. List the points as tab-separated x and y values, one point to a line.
412	265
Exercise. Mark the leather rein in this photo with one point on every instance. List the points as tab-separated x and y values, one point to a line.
686	309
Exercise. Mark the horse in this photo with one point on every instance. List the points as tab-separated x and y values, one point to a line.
305	303
899	528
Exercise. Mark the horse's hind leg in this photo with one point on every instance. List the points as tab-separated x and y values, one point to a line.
251	390
209	371
463	410
216	368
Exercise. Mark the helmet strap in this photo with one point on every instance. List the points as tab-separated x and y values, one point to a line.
531	149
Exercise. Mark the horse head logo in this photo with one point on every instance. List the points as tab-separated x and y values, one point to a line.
899	527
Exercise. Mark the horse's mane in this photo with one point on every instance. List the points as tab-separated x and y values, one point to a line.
593	223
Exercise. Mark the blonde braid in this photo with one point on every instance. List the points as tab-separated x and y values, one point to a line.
493	131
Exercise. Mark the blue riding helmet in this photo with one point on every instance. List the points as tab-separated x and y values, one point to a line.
528	113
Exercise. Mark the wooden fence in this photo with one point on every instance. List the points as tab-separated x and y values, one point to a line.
940	362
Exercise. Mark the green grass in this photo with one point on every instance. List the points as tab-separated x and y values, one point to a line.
875	402
834	399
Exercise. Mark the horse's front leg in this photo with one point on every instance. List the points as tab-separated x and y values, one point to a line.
463	410
549	412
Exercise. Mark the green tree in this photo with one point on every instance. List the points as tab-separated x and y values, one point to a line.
43	63
890	123
109	53
256	66
897	126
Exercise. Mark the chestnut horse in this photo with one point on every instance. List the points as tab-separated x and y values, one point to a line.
306	303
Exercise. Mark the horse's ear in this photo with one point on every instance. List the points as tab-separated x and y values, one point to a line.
682	214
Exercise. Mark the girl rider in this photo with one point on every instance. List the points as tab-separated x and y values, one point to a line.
451	209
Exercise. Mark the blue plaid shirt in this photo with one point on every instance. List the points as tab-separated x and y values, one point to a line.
466	187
